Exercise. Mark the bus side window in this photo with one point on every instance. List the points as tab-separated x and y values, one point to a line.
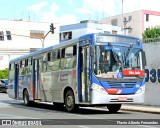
55	60
30	61
26	62
49	56
62	58
44	64
74	58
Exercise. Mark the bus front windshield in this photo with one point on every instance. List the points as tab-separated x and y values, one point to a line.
117	58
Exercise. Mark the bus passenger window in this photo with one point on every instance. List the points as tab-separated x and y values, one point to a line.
30	61
26	62
74	50
49	56
20	65
63	53
58	57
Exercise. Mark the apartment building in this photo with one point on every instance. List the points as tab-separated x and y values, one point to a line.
134	23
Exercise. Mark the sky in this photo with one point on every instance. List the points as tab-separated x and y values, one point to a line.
70	11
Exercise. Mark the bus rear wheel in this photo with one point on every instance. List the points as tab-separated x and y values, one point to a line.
113	108
26	98
70	101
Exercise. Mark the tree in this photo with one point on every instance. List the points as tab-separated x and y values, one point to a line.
4	74
153	32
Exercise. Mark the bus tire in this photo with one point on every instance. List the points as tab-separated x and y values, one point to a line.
26	98
113	108
70	101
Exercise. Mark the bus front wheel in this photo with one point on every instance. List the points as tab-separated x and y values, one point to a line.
70	101
113	108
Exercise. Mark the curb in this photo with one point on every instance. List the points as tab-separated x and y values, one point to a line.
145	109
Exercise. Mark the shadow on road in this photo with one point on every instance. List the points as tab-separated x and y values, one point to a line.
50	107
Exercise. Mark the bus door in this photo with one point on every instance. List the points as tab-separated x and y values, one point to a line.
84	73
16	81
36	79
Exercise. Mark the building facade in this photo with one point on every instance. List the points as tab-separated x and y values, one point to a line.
18	37
134	23
86	27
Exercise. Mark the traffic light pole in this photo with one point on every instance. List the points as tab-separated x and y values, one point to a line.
44	39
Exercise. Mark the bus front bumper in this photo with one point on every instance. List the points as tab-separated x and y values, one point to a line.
102	98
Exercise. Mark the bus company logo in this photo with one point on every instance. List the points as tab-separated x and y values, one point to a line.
120	91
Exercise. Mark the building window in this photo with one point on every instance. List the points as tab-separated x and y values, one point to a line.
114	32
65	36
147	17
106	32
1	35
8	33
129	18
114	22
36	34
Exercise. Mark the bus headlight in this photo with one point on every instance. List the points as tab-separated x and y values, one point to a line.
98	88
141	89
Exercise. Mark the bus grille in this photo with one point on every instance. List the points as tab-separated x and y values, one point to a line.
122	85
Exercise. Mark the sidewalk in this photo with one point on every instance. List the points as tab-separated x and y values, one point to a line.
141	108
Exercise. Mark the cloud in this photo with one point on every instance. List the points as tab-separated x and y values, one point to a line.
94	7
54	8
71	2
62	20
38	7
131	5
51	16
150	5
134	5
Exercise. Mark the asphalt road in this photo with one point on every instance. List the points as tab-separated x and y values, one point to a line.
87	117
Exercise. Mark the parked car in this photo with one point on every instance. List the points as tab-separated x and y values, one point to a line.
3	85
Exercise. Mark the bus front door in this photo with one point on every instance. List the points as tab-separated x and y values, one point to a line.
84	74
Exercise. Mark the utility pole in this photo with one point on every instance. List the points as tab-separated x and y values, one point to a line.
122	19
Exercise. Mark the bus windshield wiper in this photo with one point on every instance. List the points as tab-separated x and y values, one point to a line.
115	56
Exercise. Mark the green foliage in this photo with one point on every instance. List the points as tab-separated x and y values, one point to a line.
4	74
153	32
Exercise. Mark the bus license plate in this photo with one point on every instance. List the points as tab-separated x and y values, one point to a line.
122	99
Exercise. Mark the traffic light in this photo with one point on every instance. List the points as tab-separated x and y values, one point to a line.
8	33
52	28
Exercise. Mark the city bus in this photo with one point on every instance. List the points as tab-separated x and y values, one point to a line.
79	72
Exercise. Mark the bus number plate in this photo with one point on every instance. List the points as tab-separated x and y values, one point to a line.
122	99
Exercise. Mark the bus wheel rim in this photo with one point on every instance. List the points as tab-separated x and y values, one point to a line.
25	99
69	101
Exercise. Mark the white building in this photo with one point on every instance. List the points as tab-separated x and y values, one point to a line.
135	23
18	37
86	27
